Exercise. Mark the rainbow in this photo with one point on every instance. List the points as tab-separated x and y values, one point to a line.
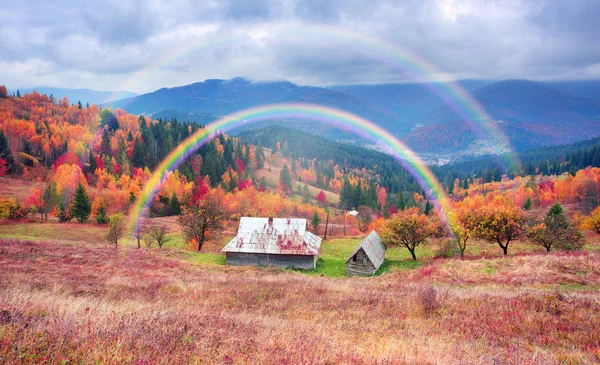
417	69
321	114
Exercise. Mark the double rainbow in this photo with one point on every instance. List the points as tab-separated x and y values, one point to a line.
416	68
287	112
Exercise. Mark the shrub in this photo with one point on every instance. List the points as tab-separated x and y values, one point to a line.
428	300
116	228
448	249
101	217
158	234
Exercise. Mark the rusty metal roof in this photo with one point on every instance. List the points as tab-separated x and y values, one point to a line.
274	236
373	247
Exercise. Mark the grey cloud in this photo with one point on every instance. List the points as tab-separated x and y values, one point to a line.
97	44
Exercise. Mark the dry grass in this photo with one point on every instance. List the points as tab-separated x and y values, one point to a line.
18	189
84	303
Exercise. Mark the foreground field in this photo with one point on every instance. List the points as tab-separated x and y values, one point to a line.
75	302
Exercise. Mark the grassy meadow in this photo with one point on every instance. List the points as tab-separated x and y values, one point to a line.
67	296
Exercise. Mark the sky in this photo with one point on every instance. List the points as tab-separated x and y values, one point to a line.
144	45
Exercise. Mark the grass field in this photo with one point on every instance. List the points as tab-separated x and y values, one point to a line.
66	296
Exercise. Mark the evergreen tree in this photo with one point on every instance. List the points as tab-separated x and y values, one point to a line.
138	158
5	152
82	207
315	221
92	162
101	217
106	149
528	204
285	179
428	207
305	194
175	205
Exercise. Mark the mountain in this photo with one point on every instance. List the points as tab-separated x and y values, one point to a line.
407	102
585	89
527	101
222	97
530	114
83	95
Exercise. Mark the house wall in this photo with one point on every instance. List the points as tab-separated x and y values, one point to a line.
306	262
361	266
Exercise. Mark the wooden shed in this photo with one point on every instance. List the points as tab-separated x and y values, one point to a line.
282	242
367	257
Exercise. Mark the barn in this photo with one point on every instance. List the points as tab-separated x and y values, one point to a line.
282	242
367	256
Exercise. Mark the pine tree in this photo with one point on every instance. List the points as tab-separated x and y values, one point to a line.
101	217
528	204
81	206
305	195
428	207
285	179
106	149
315	221
5	152
138	159
92	163
175	205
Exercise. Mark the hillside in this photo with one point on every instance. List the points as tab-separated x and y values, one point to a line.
530	114
86	96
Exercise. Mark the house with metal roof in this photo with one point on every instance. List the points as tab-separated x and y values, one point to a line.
367	256
282	242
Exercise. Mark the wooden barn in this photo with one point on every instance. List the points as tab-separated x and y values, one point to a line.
282	242
367	257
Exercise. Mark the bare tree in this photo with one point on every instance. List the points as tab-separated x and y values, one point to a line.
158	234
139	231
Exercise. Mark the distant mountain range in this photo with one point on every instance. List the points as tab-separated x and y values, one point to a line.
84	95
531	114
222	97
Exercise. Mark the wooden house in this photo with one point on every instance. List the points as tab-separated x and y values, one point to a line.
367	257
282	242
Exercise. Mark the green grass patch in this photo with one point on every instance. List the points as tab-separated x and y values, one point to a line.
335	252
206	258
574	286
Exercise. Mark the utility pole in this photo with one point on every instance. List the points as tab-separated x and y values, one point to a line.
326	224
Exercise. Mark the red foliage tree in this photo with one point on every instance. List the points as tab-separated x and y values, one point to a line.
201	188
3	168
321	197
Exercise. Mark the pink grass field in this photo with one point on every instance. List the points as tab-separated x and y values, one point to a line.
93	303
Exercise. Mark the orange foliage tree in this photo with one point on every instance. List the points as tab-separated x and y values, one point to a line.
409	229
499	224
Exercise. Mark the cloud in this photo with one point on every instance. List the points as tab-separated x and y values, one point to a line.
144	45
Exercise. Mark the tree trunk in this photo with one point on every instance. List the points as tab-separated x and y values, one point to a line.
548	248
412	253
505	249
201	242
138	241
